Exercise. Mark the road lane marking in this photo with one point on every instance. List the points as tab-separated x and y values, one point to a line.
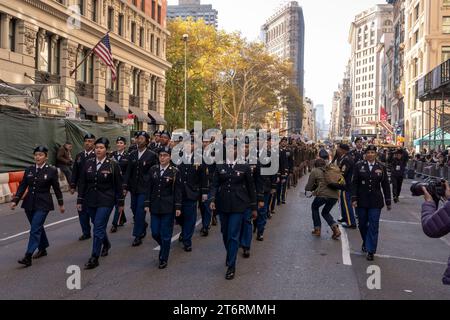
402	258
347	260
177	236
401	222
46	226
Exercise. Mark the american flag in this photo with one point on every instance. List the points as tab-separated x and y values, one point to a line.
103	51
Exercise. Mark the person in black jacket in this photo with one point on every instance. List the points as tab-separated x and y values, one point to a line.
136	181
100	189
208	217
233	192
121	157
80	162
284	172
163	202
345	162
155	145
38	202
370	191
358	152
398	167
194	181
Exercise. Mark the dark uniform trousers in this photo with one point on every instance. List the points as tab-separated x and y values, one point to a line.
78	166
38	202
346	165
122	160
234	194
137	181
163	198
368	188
397	174
100	189
284	174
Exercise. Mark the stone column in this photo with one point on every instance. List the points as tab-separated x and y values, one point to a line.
5	18
53	46
99	84
161	96
69	50
144	94
26	46
124	85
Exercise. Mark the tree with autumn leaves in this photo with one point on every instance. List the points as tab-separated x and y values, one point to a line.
232	83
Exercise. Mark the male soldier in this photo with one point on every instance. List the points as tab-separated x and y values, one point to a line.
136	181
205	211
283	172
193	180
397	174
358	152
345	163
78	166
155	145
121	157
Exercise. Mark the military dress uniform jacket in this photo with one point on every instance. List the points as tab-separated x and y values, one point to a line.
346	165
101	188
38	185
165	193
357	155
193	180
368	186
78	165
264	183
137	176
122	161
233	189
284	163
397	168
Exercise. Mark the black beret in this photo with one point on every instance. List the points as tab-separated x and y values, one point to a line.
165	133
157	132
344	146
165	150
89	136
41	149
284	139
324	154
103	141
371	148
398	151
121	139
142	134
358	139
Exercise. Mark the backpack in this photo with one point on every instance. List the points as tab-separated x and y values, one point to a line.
333	175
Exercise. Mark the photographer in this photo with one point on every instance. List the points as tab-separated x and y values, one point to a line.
436	223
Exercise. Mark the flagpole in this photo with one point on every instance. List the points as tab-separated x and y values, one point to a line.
87	56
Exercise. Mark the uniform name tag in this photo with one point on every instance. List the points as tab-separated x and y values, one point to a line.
397	168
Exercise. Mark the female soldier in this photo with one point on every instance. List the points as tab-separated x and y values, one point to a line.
369	178
121	157
100	189
233	192
38	202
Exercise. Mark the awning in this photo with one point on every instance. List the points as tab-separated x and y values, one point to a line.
157	118
430	138
142	117
118	111
91	107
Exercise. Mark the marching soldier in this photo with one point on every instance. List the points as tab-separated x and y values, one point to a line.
163	202
38	202
233	192
345	163
99	190
136	181
194	184
370	191
155	145
358	152
121	157
284	172
80	162
205	211
397	173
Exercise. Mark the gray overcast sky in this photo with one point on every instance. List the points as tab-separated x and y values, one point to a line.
327	25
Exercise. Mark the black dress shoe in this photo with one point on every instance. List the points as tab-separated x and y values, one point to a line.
246	254
364	249
26	261
269	215
370	257
137	242
162	265
105	251
346	226
113	229
188	249
204	232
145	231
341	220
230	274
84	237
396	200
260	237
180	239
92	264
40	254
254	228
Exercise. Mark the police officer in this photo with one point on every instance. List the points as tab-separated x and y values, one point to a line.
346	164
397	173
80	162
370	191
163	202
358	152
38	202
100	189
136	181
121	157
194	184
233	192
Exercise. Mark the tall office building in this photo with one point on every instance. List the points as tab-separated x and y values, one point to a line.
284	36
194	9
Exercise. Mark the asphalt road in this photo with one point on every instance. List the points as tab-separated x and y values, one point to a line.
289	264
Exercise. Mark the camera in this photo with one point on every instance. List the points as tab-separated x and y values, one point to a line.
434	186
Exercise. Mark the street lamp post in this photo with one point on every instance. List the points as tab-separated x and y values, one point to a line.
185	39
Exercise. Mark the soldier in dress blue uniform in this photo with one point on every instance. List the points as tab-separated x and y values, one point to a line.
205	211
233	192
370	191
99	190
194	183
80	162
358	152
163	202
38	202
155	145
121	157
136	181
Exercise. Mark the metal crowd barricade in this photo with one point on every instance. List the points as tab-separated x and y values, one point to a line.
430	170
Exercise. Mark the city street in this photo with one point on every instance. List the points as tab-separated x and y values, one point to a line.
289	264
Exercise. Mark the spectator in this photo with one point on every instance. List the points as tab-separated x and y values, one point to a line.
64	160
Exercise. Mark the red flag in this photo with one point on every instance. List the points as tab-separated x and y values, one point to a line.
383	115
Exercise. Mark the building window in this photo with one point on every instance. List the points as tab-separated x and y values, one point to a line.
135	3
135	83
141	37
43	54
55	57
143	5
12	35
153	9
133	32
152	43
159	14
158	41
446	25
417	11
94	10
110	19
86	71
81	6
445	53
121	18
